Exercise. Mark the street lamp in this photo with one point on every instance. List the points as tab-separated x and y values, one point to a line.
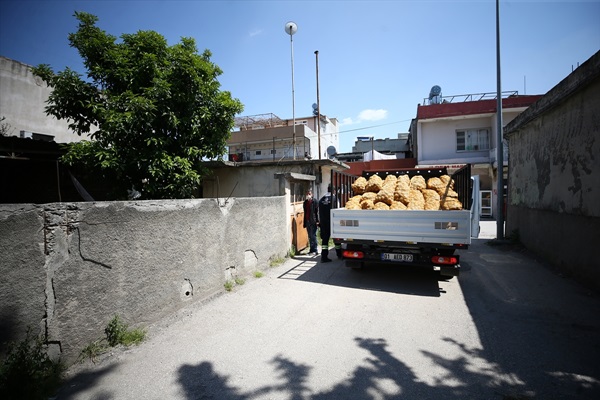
290	29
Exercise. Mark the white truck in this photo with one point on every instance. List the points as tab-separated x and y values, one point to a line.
425	238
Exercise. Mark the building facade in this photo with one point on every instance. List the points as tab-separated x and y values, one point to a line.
23	98
366	145
266	137
457	130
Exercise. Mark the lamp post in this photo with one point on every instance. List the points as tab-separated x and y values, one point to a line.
290	29
318	105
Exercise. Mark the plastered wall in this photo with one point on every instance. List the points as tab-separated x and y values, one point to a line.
554	177
68	268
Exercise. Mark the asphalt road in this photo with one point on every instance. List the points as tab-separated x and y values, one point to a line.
508	328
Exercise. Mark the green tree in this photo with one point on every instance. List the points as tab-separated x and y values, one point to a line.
158	109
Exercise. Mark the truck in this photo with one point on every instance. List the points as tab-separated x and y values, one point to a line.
424	238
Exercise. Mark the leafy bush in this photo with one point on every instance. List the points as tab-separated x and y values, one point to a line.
28	372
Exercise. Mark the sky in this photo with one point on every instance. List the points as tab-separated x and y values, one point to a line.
377	60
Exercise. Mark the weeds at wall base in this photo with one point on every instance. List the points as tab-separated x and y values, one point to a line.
28	372
117	333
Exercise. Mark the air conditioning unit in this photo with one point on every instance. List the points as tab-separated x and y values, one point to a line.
26	135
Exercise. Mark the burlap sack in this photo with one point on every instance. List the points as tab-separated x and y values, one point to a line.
367	205
381	206
397	205
432	199
374	184
358	187
451	203
418	182
402	192
385	196
416	200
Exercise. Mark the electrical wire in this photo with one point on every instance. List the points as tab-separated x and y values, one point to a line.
373	126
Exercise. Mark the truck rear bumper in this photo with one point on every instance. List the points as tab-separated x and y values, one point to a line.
439	258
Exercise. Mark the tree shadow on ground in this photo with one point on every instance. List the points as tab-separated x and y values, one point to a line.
381	376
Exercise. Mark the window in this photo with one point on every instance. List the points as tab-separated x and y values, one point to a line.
258	152
473	140
273	151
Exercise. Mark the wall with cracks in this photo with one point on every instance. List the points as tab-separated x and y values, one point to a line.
68	268
554	175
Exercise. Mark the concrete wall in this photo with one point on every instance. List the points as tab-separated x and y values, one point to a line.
23	98
554	181
68	268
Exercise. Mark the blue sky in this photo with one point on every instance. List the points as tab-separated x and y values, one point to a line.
377	59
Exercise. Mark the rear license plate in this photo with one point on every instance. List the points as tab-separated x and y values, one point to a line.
397	257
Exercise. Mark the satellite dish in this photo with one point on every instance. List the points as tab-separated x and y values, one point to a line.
315	106
331	151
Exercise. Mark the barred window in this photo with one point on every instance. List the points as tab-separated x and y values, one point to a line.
473	139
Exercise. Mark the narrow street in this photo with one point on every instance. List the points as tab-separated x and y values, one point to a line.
507	328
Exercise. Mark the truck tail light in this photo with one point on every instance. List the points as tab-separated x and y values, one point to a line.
444	260
353	254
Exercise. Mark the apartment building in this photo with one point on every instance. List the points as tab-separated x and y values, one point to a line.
270	138
452	131
23	98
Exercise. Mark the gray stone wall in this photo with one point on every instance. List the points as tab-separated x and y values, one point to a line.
68	268
554	174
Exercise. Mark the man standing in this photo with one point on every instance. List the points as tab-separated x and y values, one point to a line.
311	220
325	205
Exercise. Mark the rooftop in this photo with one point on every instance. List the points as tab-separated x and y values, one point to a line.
472	104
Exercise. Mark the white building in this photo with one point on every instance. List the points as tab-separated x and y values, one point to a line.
453	131
23	98
267	137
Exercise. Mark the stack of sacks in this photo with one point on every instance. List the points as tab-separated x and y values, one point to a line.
404	193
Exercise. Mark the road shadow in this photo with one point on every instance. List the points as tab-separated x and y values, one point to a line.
381	375
408	280
536	326
82	379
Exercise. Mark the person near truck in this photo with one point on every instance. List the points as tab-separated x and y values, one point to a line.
325	205
311	221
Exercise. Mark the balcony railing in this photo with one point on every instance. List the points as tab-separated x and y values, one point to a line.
461	98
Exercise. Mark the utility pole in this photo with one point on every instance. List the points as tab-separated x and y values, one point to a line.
499	136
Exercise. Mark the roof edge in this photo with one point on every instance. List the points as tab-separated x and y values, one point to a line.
582	76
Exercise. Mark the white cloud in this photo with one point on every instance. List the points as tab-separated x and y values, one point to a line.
365	115
372	115
255	32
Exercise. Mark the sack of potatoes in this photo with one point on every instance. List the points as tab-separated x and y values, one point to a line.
404	193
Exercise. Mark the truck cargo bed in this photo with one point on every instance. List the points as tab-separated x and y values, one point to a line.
414	226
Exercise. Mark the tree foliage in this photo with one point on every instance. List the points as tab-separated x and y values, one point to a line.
158	109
